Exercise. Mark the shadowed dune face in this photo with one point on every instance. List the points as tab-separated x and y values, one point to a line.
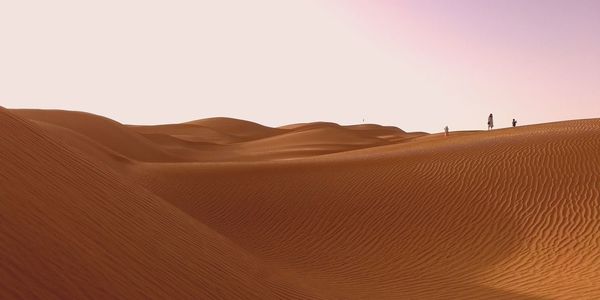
217	209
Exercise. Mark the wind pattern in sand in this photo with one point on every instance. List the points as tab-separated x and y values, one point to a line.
223	208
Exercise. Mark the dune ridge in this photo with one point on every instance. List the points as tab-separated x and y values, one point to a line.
225	208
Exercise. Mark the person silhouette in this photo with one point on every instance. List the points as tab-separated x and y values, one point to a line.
446	130
514	123
490	122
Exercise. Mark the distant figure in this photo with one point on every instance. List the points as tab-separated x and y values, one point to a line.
446	131
491	122
514	123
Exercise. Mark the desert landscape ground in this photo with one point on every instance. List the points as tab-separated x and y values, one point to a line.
229	209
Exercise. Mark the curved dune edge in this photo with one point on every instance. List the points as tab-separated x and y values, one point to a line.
360	212
209	140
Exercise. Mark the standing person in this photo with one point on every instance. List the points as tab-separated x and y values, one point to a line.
514	123
491	122
446	130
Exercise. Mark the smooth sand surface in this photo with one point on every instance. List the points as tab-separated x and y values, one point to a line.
228	209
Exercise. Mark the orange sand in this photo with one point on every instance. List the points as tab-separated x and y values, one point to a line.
225	209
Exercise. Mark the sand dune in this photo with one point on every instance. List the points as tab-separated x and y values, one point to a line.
309	142
371	130
74	229
190	133
103	131
216	209
226	139
239	128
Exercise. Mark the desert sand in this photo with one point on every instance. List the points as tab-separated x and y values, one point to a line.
229	209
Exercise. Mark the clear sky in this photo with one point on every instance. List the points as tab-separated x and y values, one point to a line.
418	65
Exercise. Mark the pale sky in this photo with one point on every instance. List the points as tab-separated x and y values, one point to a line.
418	65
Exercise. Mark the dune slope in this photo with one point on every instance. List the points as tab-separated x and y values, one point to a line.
72	229
216	209
244	130
104	131
508	214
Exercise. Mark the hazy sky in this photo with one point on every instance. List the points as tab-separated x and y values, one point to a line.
418	65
